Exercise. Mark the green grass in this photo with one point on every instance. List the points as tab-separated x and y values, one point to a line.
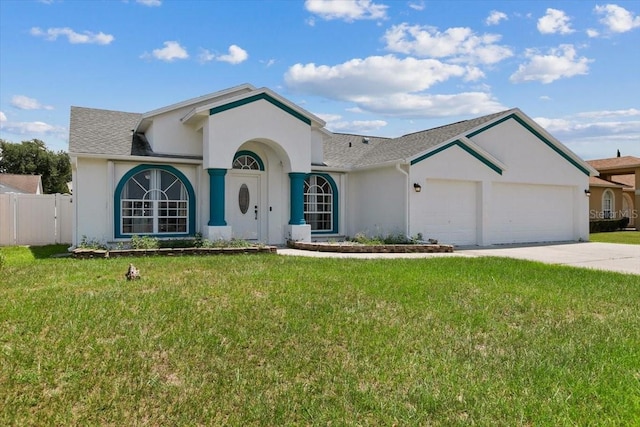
627	237
268	340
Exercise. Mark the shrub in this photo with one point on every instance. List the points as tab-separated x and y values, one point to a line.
92	243
144	242
606	225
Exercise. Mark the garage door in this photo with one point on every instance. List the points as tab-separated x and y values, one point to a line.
450	213
523	213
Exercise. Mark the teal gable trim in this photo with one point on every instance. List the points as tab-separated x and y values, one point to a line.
335	207
538	135
466	148
251	154
258	97
118	193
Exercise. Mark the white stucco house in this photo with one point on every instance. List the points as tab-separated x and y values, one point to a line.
247	163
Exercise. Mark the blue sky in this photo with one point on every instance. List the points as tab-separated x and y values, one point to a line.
373	67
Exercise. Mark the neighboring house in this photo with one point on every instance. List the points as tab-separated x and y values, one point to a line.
616	192
247	163
22	184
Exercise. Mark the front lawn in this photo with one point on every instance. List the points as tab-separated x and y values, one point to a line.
270	340
627	237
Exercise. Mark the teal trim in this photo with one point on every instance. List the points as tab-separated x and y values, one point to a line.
538	135
216	197
258	97
466	148
117	214
251	154
296	184
334	208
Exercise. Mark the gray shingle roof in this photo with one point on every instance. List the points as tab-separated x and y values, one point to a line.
94	131
337	152
106	132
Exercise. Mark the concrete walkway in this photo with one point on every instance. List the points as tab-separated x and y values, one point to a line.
601	256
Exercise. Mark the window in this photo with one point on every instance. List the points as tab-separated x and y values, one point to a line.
607	204
154	201
247	160
319	203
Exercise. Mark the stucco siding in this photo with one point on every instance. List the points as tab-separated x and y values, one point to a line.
528	158
91	189
376	202
262	121
168	135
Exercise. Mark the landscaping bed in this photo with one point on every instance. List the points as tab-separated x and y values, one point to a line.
351	247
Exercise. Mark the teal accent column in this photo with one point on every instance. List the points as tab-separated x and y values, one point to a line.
296	181
216	196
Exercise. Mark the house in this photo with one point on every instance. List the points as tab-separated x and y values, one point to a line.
21	184
247	163
615	194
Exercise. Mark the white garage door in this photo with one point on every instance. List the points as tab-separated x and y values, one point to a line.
523	213
450	213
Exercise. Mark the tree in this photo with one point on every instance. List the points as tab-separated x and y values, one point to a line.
33	158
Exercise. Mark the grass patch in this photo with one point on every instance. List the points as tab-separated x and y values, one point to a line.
268	340
626	237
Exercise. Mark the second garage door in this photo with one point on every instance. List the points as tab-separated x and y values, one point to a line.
523	213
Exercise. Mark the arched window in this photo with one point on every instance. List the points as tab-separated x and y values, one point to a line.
247	160
607	203
320	207
155	200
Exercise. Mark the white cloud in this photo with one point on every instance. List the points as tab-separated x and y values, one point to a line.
150	3
427	105
25	103
205	56
391	86
560	62
617	19
73	37
417	5
597	134
335	123
555	21
460	44
591	32
495	17
631	112
31	128
374	75
236	55
170	52
346	10
545	98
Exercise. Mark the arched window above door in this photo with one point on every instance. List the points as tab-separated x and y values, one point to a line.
247	160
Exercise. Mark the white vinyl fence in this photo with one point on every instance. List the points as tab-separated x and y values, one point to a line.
35	219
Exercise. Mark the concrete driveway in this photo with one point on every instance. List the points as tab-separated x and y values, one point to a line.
601	256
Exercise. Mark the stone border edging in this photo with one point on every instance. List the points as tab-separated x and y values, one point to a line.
118	253
391	249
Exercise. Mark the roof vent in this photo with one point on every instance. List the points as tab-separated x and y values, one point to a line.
365	140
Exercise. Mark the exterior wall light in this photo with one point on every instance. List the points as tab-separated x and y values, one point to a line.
587	193
417	187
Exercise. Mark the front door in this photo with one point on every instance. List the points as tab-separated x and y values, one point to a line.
243	205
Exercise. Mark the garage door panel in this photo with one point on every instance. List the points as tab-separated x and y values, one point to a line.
523	213
450	215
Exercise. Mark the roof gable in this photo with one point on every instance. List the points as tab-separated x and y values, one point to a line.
542	135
